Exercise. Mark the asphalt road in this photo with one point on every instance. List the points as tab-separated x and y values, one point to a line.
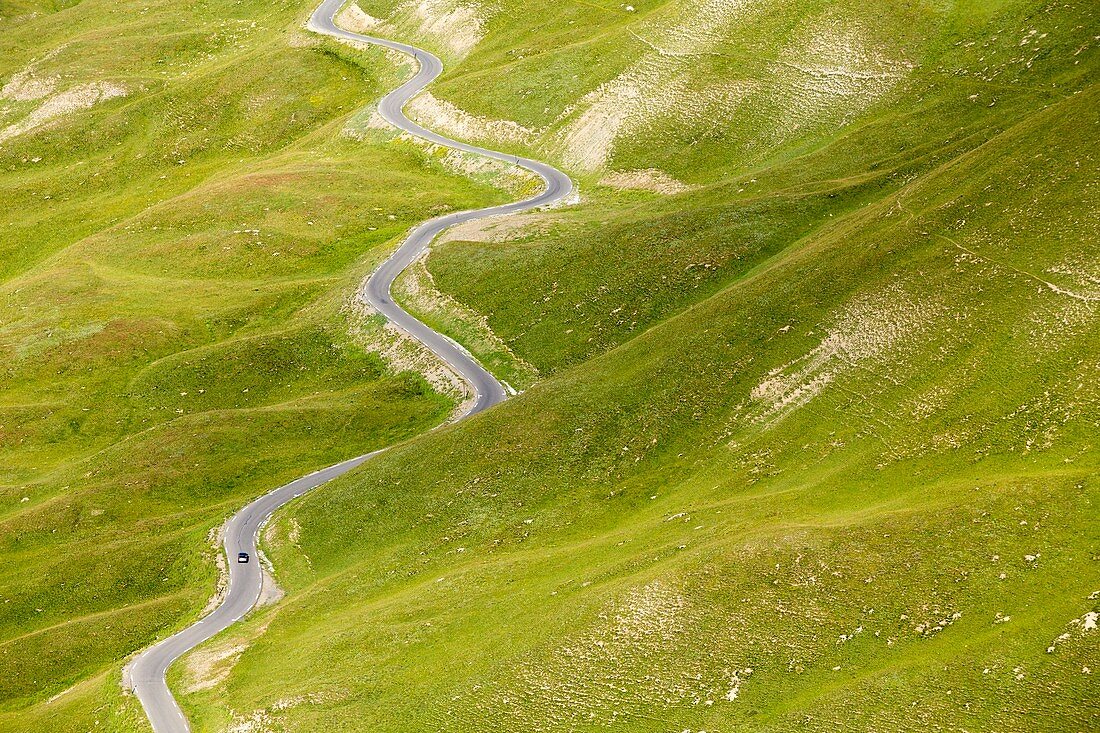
146	674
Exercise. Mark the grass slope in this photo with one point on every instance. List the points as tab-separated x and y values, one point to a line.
809	443
176	268
815	443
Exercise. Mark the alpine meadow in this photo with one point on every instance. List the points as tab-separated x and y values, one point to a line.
802	428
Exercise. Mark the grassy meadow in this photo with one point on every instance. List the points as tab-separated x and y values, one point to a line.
810	373
178	259
812	442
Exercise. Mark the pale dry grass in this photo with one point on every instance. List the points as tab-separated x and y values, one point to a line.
209	665
828	74
500	229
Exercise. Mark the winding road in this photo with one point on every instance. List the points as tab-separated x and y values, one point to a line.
146	674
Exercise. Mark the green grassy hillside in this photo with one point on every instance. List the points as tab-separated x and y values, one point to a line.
185	224
814	440
809	432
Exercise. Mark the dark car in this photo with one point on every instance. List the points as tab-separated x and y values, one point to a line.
242	557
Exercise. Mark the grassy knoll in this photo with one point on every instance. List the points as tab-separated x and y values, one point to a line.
184	226
814	445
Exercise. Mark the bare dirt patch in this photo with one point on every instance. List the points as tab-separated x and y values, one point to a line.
65	103
354	19
264	720
506	176
445	117
1080	274
457	25
401	352
28	85
498	229
211	664
206	668
869	329
222	588
658	85
270	592
649	179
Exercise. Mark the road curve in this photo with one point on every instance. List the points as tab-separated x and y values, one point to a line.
146	674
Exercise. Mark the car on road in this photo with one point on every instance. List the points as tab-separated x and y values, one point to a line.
242	557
